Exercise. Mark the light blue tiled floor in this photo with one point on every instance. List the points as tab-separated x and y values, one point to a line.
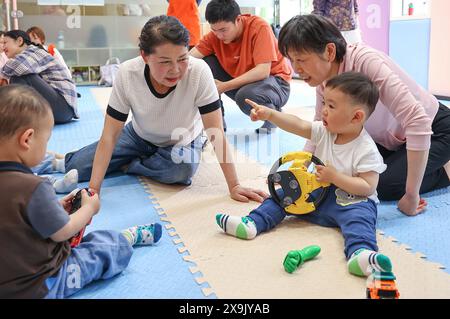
153	272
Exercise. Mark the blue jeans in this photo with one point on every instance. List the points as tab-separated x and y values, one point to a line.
356	221
168	165
102	254
44	167
62	111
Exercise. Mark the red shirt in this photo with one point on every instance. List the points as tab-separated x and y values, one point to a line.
187	12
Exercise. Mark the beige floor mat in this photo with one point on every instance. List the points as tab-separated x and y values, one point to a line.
236	268
253	269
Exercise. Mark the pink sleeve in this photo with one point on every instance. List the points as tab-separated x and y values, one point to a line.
309	146
399	100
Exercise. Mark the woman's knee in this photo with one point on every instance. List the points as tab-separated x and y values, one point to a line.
80	160
26	79
180	174
63	117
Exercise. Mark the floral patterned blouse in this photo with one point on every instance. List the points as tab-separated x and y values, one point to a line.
342	12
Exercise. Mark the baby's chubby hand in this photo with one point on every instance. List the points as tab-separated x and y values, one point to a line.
258	112
325	174
66	201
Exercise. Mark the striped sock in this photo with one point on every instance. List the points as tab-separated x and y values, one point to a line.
143	234
363	262
240	227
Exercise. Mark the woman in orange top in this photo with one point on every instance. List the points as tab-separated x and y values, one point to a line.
187	12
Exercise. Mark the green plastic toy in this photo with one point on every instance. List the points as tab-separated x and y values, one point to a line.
295	258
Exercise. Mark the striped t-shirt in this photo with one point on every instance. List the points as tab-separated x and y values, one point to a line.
164	119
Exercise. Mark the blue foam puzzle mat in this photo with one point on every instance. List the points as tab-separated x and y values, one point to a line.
154	271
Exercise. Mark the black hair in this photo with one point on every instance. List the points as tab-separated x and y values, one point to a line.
2	33
359	87
222	11
311	33
160	30
21	106
16	34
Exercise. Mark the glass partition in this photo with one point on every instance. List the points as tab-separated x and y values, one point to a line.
3	16
90	34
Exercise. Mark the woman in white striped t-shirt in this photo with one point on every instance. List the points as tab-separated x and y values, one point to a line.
173	98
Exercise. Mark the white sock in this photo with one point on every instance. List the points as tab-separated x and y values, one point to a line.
240	227
59	165
68	183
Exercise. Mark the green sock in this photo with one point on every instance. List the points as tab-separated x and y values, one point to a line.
240	227
363	262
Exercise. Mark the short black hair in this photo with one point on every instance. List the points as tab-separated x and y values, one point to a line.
359	87
20	107
311	33
15	34
222	10
160	30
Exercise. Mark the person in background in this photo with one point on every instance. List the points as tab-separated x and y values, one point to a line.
187	12
32	65
37	36
3	57
242	52
344	14
409	125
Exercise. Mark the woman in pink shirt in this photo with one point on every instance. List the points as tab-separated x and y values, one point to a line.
411	128
3	57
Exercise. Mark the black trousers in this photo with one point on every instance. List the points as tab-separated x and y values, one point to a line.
62	111
272	92
392	182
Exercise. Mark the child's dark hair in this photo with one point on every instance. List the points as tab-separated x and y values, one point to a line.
20	106
359	87
2	33
222	11
16	34
311	33
160	30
